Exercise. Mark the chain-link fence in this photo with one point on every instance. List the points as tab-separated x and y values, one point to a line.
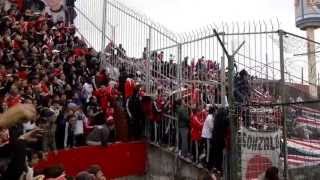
204	68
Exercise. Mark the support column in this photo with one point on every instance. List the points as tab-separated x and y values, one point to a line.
103	28
148	70
223	77
312	66
284	109
179	73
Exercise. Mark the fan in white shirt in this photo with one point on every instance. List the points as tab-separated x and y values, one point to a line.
207	130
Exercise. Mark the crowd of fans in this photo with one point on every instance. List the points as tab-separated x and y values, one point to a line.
78	103
44	63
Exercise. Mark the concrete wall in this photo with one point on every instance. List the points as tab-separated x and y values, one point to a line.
164	165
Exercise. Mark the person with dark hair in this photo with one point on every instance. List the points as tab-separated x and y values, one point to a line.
97	172
54	172
242	94
99	136
121	52
242	87
220	138
85	176
122	80
136	116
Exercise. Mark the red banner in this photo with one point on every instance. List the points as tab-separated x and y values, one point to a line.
116	160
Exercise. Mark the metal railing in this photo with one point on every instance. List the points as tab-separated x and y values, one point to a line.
197	66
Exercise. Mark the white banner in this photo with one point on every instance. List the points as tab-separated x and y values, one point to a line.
259	151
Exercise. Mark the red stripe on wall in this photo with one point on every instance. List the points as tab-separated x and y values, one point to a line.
116	160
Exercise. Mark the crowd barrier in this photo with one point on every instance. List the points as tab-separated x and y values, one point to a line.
116	160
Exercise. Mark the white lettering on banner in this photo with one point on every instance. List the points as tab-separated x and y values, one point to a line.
259	151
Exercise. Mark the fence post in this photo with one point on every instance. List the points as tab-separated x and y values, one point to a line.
283	100
148	87
104	21
223	77
267	68
233	161
180	87
302	79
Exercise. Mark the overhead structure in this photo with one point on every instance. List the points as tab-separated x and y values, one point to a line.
308	19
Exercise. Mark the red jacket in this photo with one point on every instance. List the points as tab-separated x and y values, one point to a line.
196	127
13	100
101	94
23	75
129	87
105	95
44	88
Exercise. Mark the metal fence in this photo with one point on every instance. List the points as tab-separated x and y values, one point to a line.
200	67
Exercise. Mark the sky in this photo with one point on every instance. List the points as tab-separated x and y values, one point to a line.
186	15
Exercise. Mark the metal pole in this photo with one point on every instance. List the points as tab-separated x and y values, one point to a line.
233	161
180	87
103	32
233	121
267	69
223	77
113	33
302	76
149	61
283	100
